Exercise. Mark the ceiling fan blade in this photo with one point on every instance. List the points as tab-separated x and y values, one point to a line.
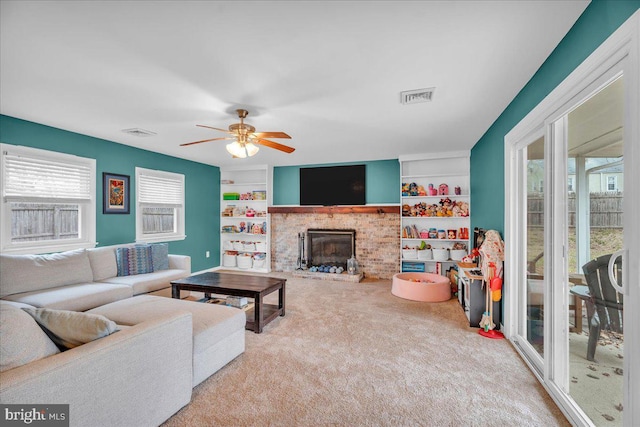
204	140
221	130
271	135
275	145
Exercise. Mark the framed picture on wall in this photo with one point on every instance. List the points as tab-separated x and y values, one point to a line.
115	189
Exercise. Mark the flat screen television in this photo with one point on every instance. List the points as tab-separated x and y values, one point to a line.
332	185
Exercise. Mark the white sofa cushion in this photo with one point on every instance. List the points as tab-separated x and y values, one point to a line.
145	283
21	339
25	273
69	329
103	262
218	331
78	297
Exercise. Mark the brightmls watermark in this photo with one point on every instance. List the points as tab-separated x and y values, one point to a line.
35	415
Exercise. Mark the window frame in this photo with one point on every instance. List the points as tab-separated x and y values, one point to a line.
86	208
179	219
570	184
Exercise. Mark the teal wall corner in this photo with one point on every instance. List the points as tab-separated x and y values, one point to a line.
202	186
382	182
599	20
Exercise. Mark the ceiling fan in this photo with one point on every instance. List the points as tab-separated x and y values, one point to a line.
246	139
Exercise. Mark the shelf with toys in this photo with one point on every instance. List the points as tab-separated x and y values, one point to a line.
245	193
435	221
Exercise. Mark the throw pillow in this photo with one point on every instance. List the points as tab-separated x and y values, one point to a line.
69	329
134	260
21	339
160	256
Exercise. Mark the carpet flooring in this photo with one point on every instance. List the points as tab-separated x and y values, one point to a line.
353	354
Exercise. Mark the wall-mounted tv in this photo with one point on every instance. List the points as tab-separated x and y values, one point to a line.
332	185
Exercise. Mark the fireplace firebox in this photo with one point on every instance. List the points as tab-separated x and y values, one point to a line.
330	247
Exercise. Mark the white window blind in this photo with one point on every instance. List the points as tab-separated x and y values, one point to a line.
47	202
160	188
160	200
29	178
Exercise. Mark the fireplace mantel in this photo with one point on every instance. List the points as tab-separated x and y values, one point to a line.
358	209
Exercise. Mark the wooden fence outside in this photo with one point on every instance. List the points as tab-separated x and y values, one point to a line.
606	210
158	220
35	221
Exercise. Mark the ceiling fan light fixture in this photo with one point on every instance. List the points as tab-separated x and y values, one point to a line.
251	149
237	149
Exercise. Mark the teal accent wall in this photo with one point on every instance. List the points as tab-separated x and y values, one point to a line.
202	186
599	20
382	182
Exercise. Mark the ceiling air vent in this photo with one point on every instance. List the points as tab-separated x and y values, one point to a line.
139	132
417	96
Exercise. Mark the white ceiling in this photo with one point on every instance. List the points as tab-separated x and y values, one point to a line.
329	73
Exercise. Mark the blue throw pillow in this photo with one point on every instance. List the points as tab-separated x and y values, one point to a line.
160	255
134	260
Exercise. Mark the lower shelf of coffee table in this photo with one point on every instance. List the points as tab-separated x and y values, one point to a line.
269	312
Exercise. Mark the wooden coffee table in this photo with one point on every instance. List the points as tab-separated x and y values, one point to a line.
241	285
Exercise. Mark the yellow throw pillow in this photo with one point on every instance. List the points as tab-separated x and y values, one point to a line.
69	329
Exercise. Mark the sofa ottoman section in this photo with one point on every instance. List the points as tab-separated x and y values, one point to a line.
138	376
218	331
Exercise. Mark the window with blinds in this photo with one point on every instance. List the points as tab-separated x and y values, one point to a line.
48	200
160	205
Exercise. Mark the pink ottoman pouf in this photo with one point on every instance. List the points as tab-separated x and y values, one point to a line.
427	287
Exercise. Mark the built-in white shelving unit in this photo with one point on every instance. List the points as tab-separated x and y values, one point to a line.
419	213
245	242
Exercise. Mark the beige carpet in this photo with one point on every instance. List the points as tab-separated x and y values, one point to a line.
354	354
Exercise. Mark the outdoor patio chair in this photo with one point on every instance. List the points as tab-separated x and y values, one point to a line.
606	300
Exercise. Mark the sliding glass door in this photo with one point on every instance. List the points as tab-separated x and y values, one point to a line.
573	241
595	229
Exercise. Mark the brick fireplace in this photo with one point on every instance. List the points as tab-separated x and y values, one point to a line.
377	235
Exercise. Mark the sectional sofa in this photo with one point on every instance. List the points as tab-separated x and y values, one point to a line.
139	372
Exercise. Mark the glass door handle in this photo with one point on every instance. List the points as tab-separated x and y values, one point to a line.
612	278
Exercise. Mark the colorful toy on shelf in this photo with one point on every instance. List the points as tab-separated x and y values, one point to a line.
457	191
443	190
432	190
452	234
243	227
463	233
